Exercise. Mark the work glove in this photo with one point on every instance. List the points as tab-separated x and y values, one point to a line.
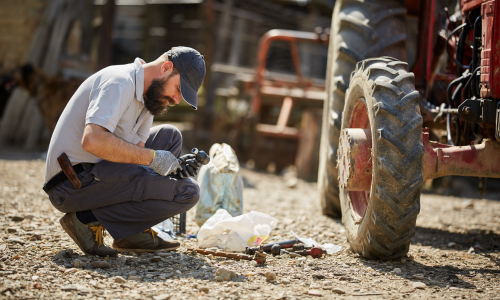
189	166
165	163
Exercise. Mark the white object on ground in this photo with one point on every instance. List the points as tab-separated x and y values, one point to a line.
221	184
235	233
165	230
329	248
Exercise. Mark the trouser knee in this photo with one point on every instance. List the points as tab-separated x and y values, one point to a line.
189	193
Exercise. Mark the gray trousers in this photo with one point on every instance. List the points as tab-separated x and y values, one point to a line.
128	199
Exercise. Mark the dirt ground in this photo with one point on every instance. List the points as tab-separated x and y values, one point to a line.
455	253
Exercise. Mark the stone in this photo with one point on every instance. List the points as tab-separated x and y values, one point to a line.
136	278
78	263
162	297
163	254
15	241
285	281
316	293
397	271
75	287
418	276
12	229
419	285
119	279
224	275
149	276
17	218
318	276
100	264
451	244
70	271
65	253
204	289
155	259
270	276
338	291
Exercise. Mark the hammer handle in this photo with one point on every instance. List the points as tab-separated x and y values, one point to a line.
67	168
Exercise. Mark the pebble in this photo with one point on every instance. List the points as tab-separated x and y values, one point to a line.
149	276
119	279
419	285
318	276
315	293
418	276
270	276
204	289
338	291
162	297
285	281
12	229
100	264
155	259
17	218
15	241
136	278
224	275
397	271
70	271
78	263
452	244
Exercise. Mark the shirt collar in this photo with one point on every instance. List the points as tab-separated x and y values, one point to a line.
139	79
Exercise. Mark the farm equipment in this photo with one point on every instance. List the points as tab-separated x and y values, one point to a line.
386	130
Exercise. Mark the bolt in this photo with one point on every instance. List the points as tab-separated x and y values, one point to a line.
466	110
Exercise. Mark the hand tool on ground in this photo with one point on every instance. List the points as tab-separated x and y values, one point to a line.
277	250
258	257
68	170
267	248
315	252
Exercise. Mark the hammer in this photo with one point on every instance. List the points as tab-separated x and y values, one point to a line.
315	252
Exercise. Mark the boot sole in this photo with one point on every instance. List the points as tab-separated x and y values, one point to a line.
124	250
67	223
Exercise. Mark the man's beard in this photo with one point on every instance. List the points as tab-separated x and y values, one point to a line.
155	102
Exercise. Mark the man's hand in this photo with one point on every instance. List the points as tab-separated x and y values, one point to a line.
165	163
102	143
189	166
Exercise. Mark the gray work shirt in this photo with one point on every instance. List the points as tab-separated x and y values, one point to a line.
111	98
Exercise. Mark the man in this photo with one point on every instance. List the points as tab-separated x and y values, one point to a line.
122	162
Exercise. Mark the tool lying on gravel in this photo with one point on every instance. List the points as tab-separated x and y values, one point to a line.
267	248
315	252
259	257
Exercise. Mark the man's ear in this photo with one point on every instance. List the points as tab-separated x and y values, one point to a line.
166	66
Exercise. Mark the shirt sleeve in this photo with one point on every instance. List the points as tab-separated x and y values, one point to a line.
143	131
106	105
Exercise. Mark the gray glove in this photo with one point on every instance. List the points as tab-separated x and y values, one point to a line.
165	163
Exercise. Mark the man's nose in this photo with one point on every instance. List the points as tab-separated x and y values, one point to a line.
177	98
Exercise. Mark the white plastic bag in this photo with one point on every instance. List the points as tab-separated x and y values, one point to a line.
165	230
329	248
235	233
221	184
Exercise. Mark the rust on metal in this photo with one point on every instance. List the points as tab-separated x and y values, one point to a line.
355	159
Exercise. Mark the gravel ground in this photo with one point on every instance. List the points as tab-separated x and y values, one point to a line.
455	253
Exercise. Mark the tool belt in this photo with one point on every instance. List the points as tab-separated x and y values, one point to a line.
61	177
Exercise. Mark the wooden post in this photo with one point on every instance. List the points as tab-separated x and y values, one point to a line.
307	159
106	35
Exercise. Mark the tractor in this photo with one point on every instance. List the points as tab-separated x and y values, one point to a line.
413	93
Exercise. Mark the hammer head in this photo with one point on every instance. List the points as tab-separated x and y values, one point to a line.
316	252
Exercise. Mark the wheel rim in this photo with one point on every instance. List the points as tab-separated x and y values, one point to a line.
358	200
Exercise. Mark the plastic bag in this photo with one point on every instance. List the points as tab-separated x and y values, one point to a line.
165	230
329	248
235	233
221	184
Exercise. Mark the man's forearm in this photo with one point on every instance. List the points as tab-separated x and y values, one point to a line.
104	144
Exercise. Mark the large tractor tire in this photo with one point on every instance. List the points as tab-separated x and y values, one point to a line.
380	222
360	30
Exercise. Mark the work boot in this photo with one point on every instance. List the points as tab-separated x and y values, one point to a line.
146	241
89	237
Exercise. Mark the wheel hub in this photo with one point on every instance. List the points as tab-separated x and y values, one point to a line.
354	159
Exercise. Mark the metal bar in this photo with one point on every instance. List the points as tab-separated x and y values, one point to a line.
285	111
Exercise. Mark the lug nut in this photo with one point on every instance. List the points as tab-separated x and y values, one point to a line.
466	110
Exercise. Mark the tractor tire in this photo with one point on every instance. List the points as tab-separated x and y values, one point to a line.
360	30
381	222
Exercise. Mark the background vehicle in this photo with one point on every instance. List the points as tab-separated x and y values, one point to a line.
401	74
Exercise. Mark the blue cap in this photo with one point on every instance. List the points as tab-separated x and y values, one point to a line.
191	67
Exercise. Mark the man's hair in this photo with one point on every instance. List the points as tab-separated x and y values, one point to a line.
164	58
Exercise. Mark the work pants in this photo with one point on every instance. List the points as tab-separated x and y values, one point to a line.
126	198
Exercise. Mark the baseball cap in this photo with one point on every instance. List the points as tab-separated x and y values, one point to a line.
191	67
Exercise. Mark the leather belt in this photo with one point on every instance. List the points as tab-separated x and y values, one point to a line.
61	177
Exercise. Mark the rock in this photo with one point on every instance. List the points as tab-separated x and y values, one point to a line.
270	276
204	289
327	284
285	281
338	291
162	297
70	271
36	237
419	285
451	244
136	278
397	271
418	276
224	275
119	279
12	229
35	278
100	264
66	253
149	276
403	260
163	254
318	276
75	287
155	259
17	218
15	241
315	293
78	263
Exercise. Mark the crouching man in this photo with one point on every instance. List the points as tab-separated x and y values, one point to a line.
121	161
